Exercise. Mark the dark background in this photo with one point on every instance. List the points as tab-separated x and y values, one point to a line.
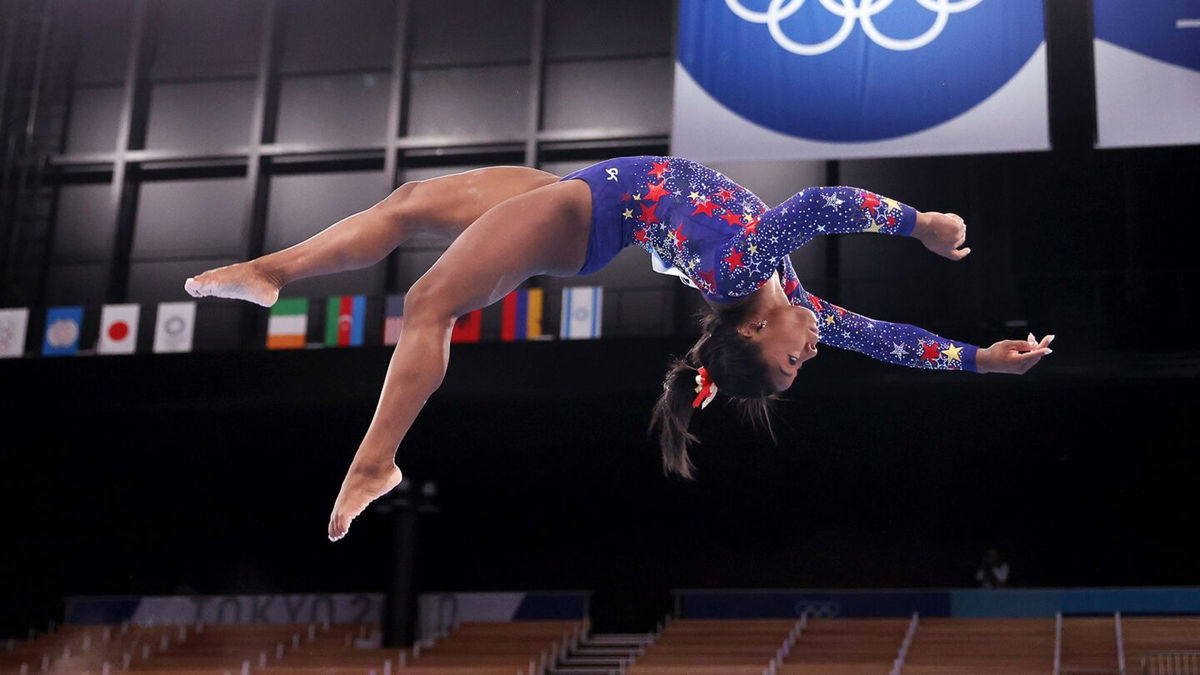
214	472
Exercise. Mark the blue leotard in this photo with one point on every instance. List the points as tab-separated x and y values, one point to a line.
722	240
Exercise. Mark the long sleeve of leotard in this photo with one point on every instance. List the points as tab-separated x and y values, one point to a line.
835	210
898	343
747	259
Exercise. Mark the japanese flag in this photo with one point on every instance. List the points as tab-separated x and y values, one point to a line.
118	329
174	326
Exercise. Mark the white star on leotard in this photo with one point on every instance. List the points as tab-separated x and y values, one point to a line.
820	228
832	200
899	350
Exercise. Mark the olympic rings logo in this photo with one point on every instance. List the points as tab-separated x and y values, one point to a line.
852	12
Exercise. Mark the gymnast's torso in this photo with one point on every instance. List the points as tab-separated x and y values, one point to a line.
721	239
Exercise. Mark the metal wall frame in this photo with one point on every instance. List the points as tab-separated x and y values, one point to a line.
262	152
127	165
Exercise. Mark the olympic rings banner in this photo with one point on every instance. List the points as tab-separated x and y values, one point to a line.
829	79
1147	72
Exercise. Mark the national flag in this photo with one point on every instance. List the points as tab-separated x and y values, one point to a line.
394	321
288	326
174	326
344	317
468	327
581	311
521	315
118	329
63	326
12	331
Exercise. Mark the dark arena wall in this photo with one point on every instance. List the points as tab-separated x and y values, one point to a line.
213	473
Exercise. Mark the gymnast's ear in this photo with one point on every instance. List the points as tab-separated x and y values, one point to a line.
750	327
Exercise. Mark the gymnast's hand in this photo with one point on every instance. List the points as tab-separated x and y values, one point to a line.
942	233
1013	356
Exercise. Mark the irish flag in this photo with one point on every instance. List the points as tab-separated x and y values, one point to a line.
288	325
344	316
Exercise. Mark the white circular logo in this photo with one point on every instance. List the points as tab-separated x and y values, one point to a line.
852	12
62	333
174	326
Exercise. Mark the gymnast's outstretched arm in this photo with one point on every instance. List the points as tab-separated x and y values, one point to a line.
907	345
849	210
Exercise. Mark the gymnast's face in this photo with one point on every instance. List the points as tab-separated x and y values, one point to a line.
787	337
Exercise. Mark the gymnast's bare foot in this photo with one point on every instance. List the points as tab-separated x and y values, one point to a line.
243	281
363	485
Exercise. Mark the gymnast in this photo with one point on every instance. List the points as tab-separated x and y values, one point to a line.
511	223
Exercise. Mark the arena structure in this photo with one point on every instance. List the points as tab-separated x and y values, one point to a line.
168	463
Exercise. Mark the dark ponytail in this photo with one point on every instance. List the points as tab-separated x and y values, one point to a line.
734	363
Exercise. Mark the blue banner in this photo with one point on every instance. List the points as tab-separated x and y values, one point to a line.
818	79
780	604
1147	58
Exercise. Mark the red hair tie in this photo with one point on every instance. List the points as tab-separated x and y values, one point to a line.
706	389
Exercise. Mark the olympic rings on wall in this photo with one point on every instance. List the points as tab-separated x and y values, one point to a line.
852	12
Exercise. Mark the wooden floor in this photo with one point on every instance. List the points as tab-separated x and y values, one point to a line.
917	646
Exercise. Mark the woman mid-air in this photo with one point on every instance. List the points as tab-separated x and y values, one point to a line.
511	223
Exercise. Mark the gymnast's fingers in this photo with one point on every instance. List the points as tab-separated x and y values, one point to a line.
959	254
1028	359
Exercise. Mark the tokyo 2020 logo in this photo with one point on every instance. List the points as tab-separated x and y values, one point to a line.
855	70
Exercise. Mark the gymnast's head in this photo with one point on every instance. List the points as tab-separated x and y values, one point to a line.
749	354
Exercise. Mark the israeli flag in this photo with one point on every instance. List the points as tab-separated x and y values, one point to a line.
582	307
831	79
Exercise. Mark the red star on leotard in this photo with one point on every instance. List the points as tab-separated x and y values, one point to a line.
679	238
816	302
731	218
705	207
734	259
750	228
870	201
708	279
931	352
790	287
891	221
723	194
648	213
660	168
640	235
841	312
656	191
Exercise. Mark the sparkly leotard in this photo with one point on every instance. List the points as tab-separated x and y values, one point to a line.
722	240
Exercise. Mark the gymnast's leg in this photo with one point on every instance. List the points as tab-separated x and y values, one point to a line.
544	231
444	206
